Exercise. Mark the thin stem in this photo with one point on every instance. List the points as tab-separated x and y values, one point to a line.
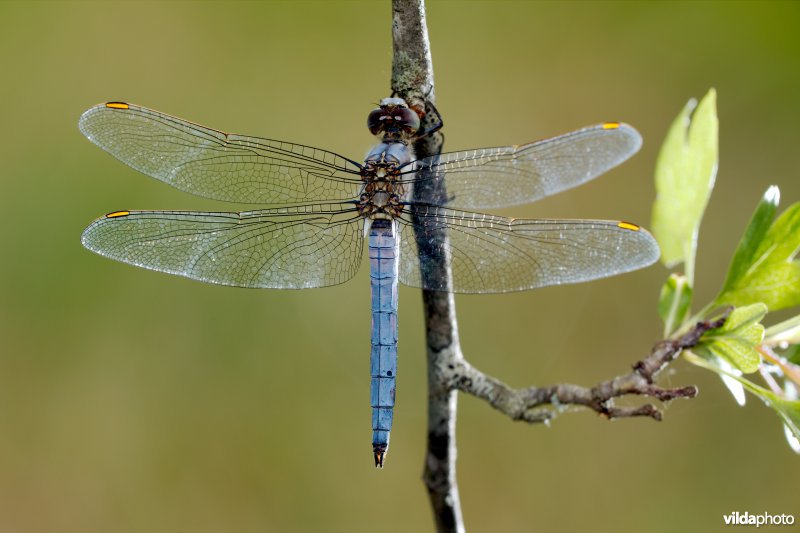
412	79
541	404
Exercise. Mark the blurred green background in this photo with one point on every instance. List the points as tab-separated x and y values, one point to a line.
136	401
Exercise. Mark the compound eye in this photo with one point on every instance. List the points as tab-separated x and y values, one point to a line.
407	118
375	121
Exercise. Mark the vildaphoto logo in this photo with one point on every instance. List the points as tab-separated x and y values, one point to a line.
764	519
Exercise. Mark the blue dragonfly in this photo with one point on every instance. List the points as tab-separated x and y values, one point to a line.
318	208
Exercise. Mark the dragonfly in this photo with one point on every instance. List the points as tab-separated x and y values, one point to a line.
317	209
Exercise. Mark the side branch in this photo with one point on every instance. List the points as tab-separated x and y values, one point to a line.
540	404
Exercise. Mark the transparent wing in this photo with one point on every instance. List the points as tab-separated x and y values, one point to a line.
218	165
492	254
500	177
285	248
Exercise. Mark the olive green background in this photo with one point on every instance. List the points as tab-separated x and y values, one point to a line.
133	401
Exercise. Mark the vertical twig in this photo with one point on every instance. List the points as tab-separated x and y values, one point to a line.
412	79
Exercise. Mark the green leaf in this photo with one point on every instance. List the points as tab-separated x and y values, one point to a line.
736	339
788	410
765	267
674	302
745	253
685	171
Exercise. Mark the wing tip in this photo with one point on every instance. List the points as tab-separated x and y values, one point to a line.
631	133
83	121
649	254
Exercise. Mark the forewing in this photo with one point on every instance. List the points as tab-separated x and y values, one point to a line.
500	177
219	165
490	254
284	248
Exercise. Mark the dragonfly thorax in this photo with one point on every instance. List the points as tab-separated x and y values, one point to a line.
383	189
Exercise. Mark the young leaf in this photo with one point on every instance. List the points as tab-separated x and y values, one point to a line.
745	253
674	302
765	267
685	171
736	339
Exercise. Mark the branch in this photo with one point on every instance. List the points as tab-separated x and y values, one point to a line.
540	404
412	79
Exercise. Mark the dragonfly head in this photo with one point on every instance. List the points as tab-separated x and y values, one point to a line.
393	120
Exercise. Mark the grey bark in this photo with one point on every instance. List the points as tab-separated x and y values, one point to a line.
412	79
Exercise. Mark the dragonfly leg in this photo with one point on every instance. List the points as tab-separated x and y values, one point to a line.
431	125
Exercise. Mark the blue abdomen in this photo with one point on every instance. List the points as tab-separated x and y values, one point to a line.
383	262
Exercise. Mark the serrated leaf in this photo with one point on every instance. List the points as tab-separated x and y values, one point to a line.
674	302
742	317
741	354
765	267
685	172
736	339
